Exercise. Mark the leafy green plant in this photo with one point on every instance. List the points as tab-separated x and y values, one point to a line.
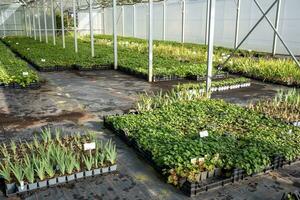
111	152
70	161
28	169
39	167
88	161
17	170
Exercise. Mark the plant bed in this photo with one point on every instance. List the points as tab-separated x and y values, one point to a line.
220	85
169	136
26	166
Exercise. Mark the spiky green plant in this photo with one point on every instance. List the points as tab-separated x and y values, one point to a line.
70	161
5	171
77	163
39	167
28	169
4	151
61	162
49	169
46	135
111	152
88	161
17	170
13	147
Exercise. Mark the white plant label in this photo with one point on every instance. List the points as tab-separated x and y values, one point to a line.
89	146
22	185
25	73
200	160
203	134
297	124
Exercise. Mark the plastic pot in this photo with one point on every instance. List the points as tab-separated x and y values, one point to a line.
32	186
79	175
204	175
10	188
61	179
71	177
22	187
218	171
105	170
52	181
113	168
97	171
88	173
42	184
211	173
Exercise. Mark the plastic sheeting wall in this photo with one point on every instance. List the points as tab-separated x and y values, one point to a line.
195	22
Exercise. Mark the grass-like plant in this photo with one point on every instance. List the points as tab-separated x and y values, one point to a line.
88	161
39	167
70	161
28	169
17	170
5	171
111	152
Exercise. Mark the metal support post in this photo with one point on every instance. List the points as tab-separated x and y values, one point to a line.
53	23
210	51
91	27
276	27
164	20
15	22
75	26
39	23
134	21
25	22
45	21
207	19
123	21
150	42
237	23
115	34
3	23
62	23
33	21
182	20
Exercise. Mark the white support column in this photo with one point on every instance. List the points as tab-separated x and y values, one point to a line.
25	21
75	26
207	19
33	21
182	20
237	23
91	27
45	20
150	42
276	27
164	20
53	22
62	23
103	21
115	34
210	51
15	22
123	21
3	23
30	25
39	23
134	20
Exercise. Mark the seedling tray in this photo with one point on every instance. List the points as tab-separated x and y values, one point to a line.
206	183
12	189
33	85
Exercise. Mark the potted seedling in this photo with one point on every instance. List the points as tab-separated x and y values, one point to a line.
39	166
29	173
101	161
70	165
88	161
97	170
5	172
17	170
61	166
111	153
78	174
50	171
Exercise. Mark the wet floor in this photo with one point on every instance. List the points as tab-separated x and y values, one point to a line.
77	101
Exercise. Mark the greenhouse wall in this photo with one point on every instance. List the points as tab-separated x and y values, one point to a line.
195	22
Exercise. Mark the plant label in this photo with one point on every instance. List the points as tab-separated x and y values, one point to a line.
25	73
201	160
296	124
203	134
89	146
194	161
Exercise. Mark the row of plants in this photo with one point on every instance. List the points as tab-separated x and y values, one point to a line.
128	59
249	63
14	71
170	128
284	106
218	85
54	159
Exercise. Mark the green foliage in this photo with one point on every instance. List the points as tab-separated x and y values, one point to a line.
5	171
14	70
88	161
17	170
238	137
111	152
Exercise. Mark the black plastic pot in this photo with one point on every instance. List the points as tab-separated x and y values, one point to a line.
70	177
88	173
42	184
79	175
52	181
204	175
61	179
105	170
10	188
32	186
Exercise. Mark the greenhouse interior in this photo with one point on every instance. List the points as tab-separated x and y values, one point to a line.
133	99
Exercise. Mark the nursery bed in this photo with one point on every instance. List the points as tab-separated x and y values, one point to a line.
152	138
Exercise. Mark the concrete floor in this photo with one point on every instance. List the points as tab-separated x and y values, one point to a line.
77	101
